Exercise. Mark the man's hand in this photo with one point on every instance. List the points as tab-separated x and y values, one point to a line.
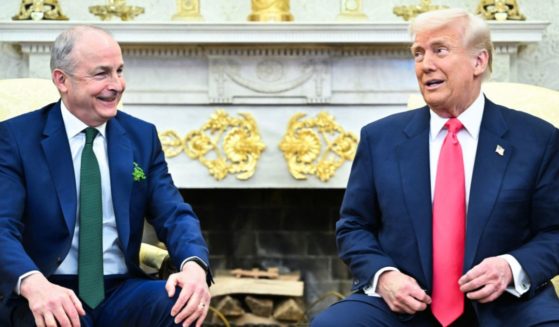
402	293
194	299
52	305
486	281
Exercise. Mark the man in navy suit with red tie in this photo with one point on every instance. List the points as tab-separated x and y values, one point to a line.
77	179
451	213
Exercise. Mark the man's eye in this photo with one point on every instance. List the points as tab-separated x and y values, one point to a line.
418	56
441	51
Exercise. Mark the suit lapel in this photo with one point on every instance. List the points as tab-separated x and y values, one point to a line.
413	160
121	159
59	160
489	170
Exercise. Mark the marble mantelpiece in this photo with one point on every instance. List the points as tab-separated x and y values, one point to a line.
178	74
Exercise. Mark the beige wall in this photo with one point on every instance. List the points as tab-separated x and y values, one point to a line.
539	64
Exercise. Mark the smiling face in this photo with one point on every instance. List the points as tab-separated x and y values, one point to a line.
93	89
449	74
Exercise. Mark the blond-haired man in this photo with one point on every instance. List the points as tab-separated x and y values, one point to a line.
451	213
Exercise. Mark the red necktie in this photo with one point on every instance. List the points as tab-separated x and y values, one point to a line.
449	226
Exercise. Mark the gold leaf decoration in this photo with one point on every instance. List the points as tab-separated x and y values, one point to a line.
224	144
499	10
171	143
39	10
270	11
411	11
116	8
302	146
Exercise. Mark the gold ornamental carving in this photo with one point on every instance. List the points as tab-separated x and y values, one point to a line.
39	10
499	10
224	144
188	10
302	146
351	10
409	12
270	10
116	8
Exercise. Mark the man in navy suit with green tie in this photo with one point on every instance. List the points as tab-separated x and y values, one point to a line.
77	180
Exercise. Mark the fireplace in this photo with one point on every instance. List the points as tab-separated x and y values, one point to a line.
180	74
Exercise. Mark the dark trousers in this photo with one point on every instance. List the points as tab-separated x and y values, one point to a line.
360	310
128	301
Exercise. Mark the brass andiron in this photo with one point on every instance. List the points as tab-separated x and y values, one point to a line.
270	10
302	146
188	10
351	10
116	8
500	10
408	12
39	10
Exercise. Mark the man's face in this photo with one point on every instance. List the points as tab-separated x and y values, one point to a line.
93	90
449	75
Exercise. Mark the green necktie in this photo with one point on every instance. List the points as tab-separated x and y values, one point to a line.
90	256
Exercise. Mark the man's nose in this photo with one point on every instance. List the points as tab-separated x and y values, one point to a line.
117	82
428	62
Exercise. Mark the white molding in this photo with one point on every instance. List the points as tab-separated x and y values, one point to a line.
257	33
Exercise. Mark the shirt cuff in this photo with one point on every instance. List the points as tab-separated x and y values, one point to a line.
21	278
196	259
371	290
521	282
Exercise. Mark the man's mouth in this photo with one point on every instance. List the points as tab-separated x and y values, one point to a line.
433	83
108	98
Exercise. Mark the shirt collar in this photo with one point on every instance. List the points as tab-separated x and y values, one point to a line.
470	118
74	126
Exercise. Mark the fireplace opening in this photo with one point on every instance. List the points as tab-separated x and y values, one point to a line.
291	229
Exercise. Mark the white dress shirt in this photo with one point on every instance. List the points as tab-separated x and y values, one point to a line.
113	258
468	138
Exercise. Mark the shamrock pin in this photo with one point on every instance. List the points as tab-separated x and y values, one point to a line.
138	173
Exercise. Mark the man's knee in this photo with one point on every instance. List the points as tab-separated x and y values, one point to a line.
138	303
357	310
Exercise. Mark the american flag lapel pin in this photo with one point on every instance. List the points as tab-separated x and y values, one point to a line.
500	150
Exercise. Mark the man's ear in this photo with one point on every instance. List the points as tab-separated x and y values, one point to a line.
60	80
481	61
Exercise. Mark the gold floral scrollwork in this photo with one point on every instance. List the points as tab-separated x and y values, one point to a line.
224	144
116	8
172	143
303	151
409	12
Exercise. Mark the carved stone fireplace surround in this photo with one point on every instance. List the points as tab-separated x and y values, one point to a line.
179	74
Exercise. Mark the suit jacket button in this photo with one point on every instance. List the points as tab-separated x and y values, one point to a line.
355	282
1	298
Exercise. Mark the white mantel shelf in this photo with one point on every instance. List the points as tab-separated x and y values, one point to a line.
178	74
256	33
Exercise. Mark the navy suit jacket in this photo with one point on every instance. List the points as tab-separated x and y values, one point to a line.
38	199
513	207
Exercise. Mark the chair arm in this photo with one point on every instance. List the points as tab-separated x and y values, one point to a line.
157	258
